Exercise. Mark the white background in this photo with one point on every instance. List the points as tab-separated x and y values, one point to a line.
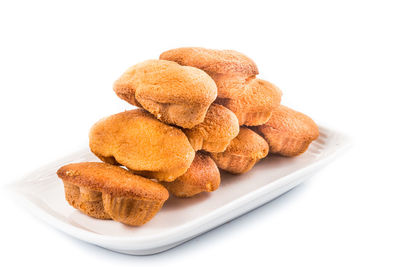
337	61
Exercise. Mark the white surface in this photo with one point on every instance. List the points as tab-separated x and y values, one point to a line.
336	61
179	220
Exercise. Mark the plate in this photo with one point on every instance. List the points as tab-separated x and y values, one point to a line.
180	219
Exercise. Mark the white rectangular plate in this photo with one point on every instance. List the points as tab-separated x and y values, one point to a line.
180	219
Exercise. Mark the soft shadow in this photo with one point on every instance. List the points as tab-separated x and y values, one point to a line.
174	203
201	241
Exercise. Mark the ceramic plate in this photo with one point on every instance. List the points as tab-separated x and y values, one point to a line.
180	219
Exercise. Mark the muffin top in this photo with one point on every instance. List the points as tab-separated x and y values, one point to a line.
137	140
248	143
167	82
219	124
258	96
203	173
111	179
212	60
290	122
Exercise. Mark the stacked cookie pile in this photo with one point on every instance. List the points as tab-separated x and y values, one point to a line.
199	110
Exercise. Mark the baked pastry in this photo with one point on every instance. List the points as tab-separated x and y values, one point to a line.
256	103
229	69
105	191
242	153
288	132
202	176
217	130
83	198
173	93
252	100
143	144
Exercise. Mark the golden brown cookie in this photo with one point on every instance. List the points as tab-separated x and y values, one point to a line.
229	69
288	132
202	176
173	93
143	144
217	130
255	105
106	191
242	153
